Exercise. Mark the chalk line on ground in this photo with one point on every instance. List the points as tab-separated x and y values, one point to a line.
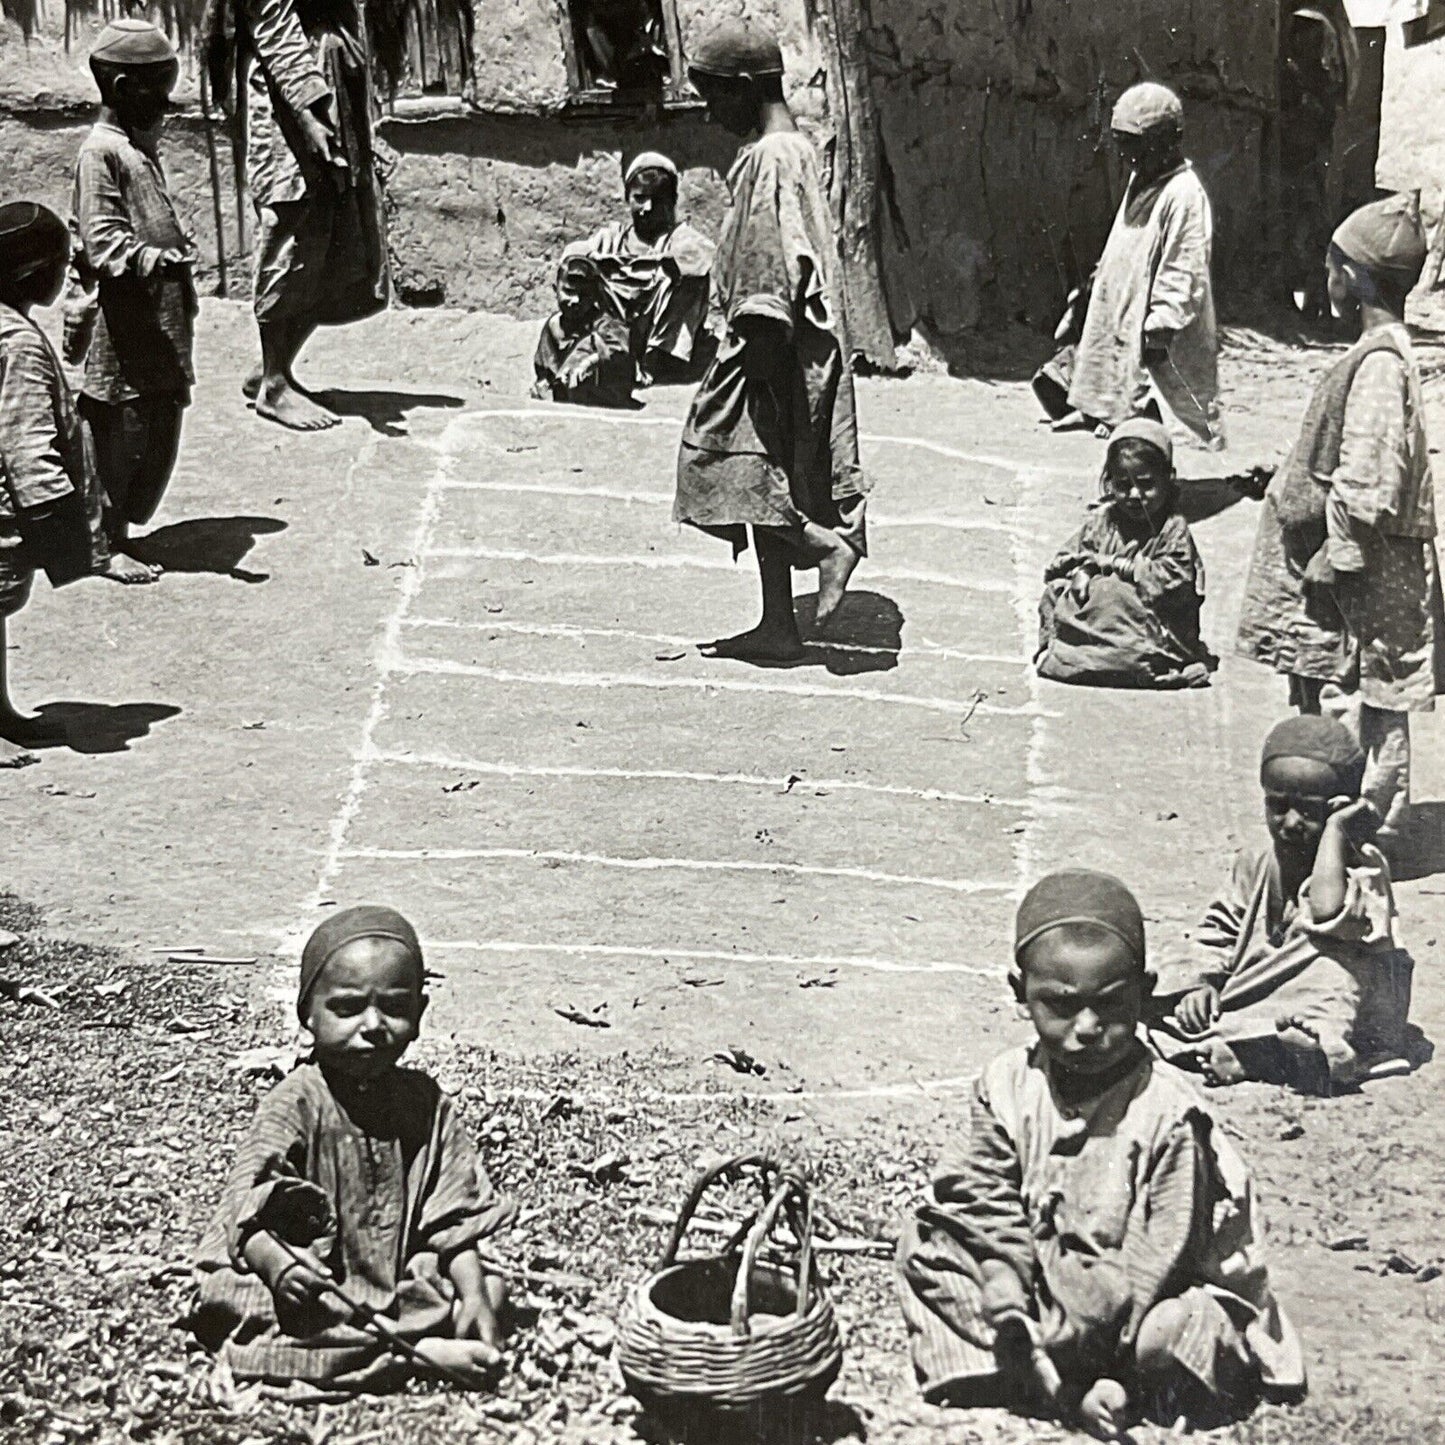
686	865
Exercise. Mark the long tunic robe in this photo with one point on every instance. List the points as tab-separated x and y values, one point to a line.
1274	962
1102	1208
321	253
661	287
407	1194
774	453
1153	276
1141	630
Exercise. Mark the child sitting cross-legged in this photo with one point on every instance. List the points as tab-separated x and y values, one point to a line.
1294	977
1091	1253
1121	598
354	1210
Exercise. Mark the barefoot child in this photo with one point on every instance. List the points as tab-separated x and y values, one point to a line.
771	441
355	1172
1295	977
50	506
583	354
1091	1253
134	262
1121	599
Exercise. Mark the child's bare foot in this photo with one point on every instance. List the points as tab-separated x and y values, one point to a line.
281	402
1104	1410
759	644
468	1362
130	571
12	755
251	387
1298	1036
834	570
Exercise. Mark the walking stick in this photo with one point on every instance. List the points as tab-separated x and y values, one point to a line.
217	212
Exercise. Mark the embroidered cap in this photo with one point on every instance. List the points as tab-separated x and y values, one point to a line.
128	41
1080	895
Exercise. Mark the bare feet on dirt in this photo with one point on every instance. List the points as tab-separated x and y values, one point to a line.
251	387
12	755
129	571
1103	1411
468	1361
834	570
758	644
281	402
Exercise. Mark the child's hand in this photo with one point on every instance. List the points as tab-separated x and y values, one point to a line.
1357	818
1003	1295
302	1288
174	259
1079	585
1197	1011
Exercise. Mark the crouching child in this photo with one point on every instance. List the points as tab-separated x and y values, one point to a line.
1092	1253
344	1253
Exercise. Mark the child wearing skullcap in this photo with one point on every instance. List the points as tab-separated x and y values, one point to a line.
1122	597
358	1173
50	513
1294	977
1344	589
131	314
1092	1253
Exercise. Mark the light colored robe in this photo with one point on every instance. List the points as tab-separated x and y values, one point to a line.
1154	276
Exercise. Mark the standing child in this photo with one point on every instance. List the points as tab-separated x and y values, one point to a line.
356	1173
50	510
134	258
1295	976
1121	599
1345	586
1092	1253
771	441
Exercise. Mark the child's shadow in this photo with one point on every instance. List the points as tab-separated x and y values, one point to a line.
99	727
384	411
865	635
1424	854
208	544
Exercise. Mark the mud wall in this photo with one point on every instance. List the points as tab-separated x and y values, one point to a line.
997	186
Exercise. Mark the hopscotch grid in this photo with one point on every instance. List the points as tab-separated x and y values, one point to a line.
685	865
803	784
952	707
925	649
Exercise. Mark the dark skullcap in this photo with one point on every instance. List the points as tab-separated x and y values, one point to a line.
129	41
1385	236
1144	429
737	51
1080	895
1322	740
31	235
368	920
1145	107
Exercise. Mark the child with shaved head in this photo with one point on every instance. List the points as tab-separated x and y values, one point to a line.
356	1174
1092	1252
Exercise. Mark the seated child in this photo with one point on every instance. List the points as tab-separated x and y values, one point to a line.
355	1172
1092	1252
583	354
1121	600
1295	977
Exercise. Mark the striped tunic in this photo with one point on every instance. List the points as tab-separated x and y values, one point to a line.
407	1195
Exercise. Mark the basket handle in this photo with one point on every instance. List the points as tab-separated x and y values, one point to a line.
792	1193
700	1186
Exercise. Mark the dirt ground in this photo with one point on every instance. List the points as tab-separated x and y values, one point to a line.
441	656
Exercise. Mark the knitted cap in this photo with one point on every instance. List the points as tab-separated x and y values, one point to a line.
1145	107
31	235
369	920
736	50
648	161
1144	429
1323	740
1385	235
1080	895
132	42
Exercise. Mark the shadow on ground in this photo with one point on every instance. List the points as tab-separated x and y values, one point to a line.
101	727
386	411
1425	855
866	620
208	544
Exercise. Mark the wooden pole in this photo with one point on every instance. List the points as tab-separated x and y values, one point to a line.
217	210
840	26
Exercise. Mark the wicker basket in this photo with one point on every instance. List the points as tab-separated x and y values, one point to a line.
707	1341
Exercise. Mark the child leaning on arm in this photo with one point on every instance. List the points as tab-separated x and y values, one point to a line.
356	1177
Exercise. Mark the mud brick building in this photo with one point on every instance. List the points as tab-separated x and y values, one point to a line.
963	139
